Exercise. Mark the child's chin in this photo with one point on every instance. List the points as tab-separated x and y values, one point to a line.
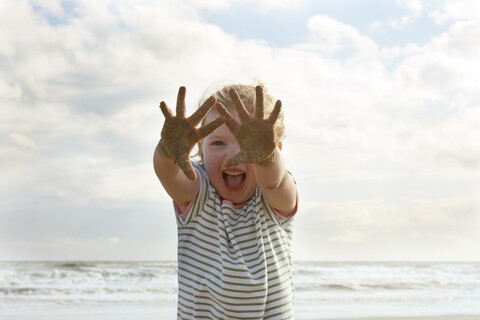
237	197
233	189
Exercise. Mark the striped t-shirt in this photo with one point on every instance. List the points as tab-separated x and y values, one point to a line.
233	263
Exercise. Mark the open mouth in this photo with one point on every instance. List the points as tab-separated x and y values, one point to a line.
233	179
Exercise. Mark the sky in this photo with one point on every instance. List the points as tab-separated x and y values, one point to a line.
381	101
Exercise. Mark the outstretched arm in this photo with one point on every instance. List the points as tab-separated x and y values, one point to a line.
260	146
179	135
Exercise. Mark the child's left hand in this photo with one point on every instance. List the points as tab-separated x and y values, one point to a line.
255	135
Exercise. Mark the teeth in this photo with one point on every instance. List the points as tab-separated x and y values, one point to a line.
233	173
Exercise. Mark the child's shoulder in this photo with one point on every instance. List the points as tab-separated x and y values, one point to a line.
200	167
202	175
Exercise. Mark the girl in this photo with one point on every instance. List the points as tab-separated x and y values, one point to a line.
234	208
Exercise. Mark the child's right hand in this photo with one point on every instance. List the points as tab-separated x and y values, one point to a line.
179	134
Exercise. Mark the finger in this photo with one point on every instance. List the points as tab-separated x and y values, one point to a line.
259	102
187	168
231	123
237	159
166	110
181	102
276	111
201	112
239	107
210	127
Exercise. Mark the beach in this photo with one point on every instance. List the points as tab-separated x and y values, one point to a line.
107	317
96	290
448	317
161	312
156	314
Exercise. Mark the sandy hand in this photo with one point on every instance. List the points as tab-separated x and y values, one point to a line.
255	135
179	134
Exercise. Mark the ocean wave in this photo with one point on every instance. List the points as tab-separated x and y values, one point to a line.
123	281
29	295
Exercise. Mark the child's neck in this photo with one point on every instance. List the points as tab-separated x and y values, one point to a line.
234	205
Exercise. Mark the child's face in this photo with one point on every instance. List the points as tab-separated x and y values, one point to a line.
236	184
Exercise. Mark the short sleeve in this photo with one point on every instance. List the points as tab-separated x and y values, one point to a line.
291	215
277	217
198	202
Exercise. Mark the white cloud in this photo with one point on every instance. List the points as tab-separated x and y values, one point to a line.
348	236
415	9
49	7
399	228
456	10
280	5
80	119
414	6
23	142
210	4
458	214
264	6
443	237
330	35
114	240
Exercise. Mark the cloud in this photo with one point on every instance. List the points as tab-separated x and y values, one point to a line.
451	143
114	240
332	36
400	228
80	118
280	5
415	10
414	6
23	142
49	7
456	10
210	4
264	6
460	214
348	236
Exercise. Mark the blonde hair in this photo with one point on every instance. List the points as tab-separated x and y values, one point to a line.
247	95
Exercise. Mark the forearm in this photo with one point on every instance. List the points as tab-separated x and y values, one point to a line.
178	186
277	185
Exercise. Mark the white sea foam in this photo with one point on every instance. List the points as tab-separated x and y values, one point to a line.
322	289
387	289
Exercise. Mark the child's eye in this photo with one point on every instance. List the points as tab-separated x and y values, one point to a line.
218	143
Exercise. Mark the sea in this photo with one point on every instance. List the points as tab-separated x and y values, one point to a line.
323	290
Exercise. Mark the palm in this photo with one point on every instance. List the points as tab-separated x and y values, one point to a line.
179	133
255	135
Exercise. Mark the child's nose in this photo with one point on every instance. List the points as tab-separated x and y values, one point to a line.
233	149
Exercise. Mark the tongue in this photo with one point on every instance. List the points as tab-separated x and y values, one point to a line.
234	181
